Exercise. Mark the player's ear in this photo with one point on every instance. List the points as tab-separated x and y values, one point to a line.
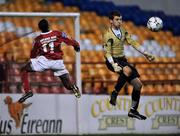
111	21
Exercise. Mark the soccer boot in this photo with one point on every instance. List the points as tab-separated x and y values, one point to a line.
114	95
25	96
135	114
76	92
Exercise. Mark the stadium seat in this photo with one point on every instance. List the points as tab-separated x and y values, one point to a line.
44	89
56	90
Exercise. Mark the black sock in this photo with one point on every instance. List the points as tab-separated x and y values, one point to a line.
135	99
120	83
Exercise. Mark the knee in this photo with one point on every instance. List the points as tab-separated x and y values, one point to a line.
23	69
27	68
138	86
127	71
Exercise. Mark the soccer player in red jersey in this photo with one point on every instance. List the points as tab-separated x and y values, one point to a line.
47	54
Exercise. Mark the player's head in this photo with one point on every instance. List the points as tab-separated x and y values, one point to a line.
115	19
43	25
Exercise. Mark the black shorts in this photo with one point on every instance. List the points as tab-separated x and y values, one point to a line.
122	61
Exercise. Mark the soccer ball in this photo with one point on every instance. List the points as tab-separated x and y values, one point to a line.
155	23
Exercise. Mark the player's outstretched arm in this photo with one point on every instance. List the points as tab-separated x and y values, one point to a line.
136	46
69	41
148	56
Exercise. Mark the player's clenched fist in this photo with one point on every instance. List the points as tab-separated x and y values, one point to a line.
116	67
77	48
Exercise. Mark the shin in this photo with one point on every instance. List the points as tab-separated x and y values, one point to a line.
24	77
137	85
69	85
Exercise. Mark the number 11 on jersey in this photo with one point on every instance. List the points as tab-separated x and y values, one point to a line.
49	46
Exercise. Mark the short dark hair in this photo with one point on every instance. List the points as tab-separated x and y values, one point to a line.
43	25
114	13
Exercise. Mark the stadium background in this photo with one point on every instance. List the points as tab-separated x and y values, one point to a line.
161	78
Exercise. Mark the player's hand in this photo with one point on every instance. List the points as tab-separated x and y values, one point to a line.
77	48
116	67
149	57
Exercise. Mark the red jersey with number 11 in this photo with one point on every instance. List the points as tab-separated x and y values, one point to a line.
49	45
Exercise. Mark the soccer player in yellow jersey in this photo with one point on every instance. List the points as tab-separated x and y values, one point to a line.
114	39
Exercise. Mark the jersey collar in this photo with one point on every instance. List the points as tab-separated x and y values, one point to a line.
46	32
115	34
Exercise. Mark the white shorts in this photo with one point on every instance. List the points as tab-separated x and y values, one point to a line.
41	63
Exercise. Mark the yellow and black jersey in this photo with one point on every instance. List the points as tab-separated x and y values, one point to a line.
114	46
